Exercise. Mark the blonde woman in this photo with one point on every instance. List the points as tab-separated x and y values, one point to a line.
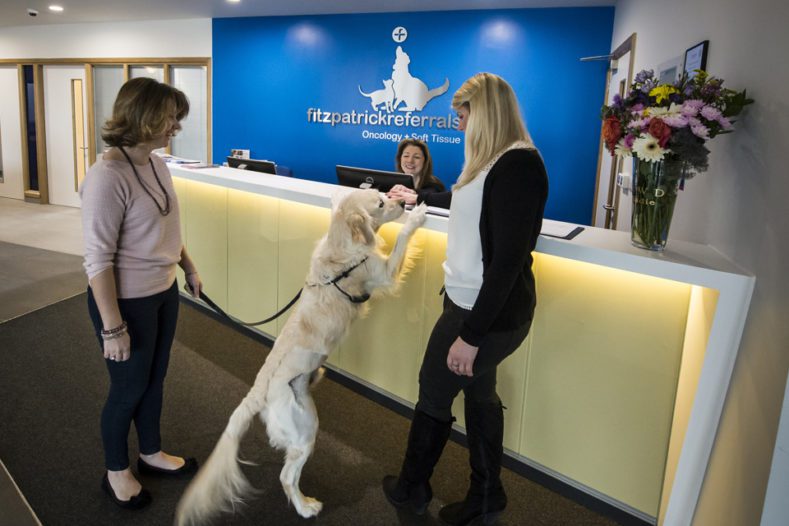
496	211
413	158
132	245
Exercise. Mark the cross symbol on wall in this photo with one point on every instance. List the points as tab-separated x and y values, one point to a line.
399	34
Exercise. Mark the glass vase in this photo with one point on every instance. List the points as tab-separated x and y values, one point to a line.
655	187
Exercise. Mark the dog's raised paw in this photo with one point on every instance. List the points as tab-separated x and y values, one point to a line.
310	507
417	215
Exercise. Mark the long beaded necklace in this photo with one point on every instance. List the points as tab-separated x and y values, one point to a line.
164	211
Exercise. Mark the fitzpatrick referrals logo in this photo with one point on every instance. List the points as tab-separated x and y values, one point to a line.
397	103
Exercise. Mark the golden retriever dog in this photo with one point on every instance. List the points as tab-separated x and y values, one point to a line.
347	266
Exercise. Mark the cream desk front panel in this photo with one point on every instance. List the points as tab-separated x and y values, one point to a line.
619	387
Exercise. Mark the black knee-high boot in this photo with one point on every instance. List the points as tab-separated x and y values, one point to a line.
426	441
485	498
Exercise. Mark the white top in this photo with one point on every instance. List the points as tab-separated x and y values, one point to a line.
463	266
123	228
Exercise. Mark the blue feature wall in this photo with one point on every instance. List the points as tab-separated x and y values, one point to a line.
288	89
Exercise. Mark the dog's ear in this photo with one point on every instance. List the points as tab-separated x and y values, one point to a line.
337	197
361	231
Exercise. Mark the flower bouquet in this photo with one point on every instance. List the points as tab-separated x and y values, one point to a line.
664	127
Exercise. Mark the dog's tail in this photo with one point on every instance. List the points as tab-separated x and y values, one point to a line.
435	92
220	484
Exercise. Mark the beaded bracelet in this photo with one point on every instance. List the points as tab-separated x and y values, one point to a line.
113	336
120	329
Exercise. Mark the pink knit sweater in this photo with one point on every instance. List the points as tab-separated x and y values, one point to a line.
122	227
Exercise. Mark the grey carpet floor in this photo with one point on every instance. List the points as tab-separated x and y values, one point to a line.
31	278
52	387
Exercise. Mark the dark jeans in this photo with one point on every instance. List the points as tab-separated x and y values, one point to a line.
136	385
438	386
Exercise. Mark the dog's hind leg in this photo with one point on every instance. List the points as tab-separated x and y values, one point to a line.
295	458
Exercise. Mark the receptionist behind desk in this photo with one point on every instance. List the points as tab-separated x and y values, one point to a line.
413	158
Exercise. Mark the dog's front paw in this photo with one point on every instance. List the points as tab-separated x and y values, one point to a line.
310	507
416	217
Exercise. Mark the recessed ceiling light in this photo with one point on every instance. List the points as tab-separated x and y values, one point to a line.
56	8
233	1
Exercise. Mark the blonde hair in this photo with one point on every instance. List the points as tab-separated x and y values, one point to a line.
494	122
142	112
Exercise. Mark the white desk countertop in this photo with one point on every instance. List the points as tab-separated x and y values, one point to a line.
681	261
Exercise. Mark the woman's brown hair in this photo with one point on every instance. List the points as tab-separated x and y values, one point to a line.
426	175
142	112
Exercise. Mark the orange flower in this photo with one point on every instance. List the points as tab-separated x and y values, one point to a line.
612	132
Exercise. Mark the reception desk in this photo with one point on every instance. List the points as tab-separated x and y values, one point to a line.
619	387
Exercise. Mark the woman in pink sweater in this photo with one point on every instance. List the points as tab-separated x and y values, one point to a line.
132	245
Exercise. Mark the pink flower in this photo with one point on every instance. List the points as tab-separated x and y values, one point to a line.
676	121
639	124
711	113
725	123
700	131
693	105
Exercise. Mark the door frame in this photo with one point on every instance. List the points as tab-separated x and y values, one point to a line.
41	195
612	201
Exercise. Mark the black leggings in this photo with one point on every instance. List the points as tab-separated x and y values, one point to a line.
438	386
136	385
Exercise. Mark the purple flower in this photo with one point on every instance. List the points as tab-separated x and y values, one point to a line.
637	107
618	102
725	123
629	138
711	113
644	75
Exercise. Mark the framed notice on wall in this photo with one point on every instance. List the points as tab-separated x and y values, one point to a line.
696	58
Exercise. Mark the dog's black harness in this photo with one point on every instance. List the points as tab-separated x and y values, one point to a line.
353	299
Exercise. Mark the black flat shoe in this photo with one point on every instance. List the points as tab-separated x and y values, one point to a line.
139	501
189	468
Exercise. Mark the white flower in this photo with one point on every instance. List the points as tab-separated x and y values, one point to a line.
660	111
622	150
647	148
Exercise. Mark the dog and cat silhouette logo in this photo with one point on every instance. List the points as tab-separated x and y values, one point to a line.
403	92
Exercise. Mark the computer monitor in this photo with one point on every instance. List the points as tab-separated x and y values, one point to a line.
255	165
368	178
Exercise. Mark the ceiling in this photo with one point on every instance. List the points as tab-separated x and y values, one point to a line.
14	12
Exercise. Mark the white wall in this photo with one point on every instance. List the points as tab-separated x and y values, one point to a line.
156	38
739	207
10	134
